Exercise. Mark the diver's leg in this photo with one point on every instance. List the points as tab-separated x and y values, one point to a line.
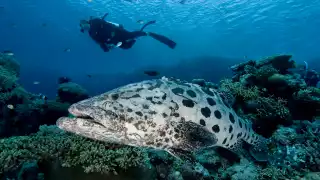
147	24
136	34
104	16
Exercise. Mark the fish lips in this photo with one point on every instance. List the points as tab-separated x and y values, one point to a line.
84	113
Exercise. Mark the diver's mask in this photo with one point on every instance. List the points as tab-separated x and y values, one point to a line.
84	25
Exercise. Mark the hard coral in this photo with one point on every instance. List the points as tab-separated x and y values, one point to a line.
71	93
240	91
51	143
279	62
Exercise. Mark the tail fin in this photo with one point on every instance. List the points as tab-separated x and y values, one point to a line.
163	39
147	24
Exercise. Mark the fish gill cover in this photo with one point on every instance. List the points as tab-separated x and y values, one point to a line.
260	123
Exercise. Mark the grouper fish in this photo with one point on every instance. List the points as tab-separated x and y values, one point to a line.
164	114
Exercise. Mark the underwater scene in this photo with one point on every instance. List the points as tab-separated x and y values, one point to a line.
159	90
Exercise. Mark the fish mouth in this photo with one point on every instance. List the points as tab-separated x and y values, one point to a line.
81	115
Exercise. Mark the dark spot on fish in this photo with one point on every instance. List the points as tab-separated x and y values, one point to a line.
188	103
231	137
217	114
211	102
176	114
202	122
115	108
206	112
176	130
145	117
166	139
130	119
183	119
177	91
164	115
164	97
139	113
207	91
239	135
191	93
216	128
176	136
139	89
162	133
115	96
240	123
136	96
121	105
122	118
230	129
121	110
152	112
137	124
231	117
224	141
145	106
129	110
158	144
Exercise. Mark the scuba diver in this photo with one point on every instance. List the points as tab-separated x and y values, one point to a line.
110	35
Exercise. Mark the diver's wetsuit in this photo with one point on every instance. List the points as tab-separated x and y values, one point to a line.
105	33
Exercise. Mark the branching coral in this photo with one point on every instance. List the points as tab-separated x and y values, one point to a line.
271	107
265	72
71	150
240	91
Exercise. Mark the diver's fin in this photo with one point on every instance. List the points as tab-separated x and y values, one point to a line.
104	16
163	39
259	149
147	24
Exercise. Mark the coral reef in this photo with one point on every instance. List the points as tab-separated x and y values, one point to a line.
71	92
51	143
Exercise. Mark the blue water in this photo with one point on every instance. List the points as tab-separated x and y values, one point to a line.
232	29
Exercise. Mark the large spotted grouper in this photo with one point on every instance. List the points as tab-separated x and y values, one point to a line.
164	114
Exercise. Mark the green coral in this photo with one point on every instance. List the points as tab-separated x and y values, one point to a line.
308	94
271	107
239	90
265	72
51	143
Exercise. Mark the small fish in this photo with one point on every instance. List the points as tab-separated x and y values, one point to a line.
67	50
89	75
8	53
10	106
140	22
151	73
165	114
36	82
44	24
